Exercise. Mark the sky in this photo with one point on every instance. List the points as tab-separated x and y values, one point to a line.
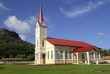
78	20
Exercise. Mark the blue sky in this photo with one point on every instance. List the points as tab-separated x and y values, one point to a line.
79	20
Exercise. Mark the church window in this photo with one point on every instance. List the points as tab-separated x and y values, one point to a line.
51	54
66	55
43	43
57	55
70	54
48	54
61	55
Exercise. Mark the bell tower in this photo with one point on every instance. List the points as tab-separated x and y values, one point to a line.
41	34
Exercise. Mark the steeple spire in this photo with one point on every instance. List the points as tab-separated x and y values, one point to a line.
40	21
40	15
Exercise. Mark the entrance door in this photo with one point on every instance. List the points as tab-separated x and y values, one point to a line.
43	58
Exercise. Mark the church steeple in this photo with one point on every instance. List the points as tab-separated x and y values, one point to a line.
41	31
40	21
40	15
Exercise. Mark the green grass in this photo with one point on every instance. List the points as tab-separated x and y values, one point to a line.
57	69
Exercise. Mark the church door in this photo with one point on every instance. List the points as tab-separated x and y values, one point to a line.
43	58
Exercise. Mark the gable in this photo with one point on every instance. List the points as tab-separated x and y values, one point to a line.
48	44
85	49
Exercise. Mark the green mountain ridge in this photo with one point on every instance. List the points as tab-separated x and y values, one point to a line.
11	45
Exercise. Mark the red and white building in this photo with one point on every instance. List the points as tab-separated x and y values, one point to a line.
61	51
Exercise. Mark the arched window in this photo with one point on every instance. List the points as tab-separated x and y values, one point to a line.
43	43
48	54
66	57
61	55
57	55
70	54
51	54
37	43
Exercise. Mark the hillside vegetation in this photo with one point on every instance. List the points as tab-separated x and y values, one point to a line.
11	46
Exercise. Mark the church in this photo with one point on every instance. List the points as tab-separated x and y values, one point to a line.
61	51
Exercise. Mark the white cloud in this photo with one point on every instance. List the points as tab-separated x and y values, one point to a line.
3	7
27	27
81	10
18	25
101	34
23	37
32	20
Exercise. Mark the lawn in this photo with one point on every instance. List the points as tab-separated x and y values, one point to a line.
57	69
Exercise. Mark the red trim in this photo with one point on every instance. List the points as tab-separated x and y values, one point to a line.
107	57
42	64
12	59
40	25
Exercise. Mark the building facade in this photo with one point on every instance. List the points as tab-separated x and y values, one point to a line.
60	51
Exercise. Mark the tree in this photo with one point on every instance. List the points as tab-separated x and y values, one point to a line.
22	56
105	52
31	57
11	56
109	52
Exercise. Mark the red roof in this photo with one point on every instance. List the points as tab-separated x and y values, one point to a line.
82	46
83	49
107	57
68	42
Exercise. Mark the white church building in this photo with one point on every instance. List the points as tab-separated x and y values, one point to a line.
61	51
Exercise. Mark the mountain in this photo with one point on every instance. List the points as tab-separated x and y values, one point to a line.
11	45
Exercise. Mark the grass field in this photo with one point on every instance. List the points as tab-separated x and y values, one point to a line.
57	69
